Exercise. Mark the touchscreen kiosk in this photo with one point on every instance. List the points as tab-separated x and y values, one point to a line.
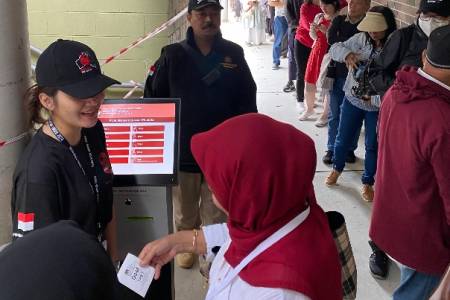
142	143
142	140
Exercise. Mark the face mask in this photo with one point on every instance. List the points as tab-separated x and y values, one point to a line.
431	24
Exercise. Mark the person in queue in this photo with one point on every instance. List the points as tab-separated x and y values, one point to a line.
357	52
64	172
59	261
271	207
406	44
211	77
342	28
403	48
411	212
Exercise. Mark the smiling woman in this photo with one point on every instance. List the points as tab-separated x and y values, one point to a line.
60	175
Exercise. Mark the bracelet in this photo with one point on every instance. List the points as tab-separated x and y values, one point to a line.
194	239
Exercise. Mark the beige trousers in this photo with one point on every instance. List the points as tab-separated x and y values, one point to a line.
192	203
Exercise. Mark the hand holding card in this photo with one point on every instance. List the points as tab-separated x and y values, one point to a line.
135	277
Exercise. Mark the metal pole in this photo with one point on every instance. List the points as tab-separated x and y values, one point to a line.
14	80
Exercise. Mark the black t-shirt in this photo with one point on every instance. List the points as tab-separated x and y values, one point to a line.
341	30
50	186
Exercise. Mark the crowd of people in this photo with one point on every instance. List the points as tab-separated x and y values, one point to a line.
245	199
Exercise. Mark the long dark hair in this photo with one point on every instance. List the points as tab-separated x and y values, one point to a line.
389	17
34	106
335	3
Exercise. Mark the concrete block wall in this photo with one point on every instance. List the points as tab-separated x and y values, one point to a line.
178	31
105	25
405	10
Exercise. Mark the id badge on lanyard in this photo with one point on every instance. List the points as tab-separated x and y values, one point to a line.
94	185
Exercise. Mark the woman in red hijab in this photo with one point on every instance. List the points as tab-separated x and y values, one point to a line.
277	243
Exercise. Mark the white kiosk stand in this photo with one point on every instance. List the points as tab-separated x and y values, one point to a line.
142	141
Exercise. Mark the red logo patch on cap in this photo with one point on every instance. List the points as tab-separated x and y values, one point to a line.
84	63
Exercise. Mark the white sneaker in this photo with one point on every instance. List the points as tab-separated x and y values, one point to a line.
300	107
306	115
321	122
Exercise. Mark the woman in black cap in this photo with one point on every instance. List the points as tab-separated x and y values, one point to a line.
65	173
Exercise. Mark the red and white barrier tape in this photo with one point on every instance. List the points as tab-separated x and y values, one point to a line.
136	86
149	35
13	140
136	43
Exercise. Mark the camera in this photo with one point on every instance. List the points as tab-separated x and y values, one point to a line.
363	88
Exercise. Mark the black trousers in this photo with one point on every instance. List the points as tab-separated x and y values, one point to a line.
292	65
301	58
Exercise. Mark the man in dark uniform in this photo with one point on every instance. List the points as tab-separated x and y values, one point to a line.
214	82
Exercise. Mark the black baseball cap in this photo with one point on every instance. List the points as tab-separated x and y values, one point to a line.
439	7
73	68
438	49
199	4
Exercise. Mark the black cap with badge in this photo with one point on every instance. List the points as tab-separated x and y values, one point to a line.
439	7
438	49
73	68
199	4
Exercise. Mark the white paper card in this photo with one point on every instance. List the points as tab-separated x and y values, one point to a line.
135	277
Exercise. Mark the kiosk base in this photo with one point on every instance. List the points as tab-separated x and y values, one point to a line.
143	214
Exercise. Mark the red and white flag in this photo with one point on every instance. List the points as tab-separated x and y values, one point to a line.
25	222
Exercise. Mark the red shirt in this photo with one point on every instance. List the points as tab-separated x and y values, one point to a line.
411	212
307	13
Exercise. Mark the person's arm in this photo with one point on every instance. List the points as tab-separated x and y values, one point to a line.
247	88
160	252
34	205
314	26
347	51
215	236
157	83
111	238
440	163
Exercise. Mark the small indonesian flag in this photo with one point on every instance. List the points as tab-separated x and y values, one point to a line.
151	70
25	222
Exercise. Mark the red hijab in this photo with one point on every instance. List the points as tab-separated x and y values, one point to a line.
261	172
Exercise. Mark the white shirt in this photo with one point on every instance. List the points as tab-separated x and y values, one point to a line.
431	78
280	11
217	235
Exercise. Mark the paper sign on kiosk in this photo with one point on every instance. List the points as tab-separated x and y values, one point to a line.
135	277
